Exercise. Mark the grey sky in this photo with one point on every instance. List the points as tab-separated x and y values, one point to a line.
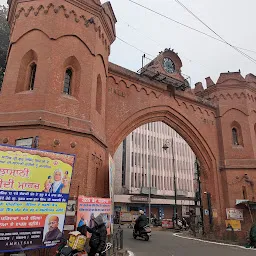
201	56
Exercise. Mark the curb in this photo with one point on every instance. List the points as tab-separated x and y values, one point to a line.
211	242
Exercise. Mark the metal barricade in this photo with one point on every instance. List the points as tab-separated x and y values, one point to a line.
116	239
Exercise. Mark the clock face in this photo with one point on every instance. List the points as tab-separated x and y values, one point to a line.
168	65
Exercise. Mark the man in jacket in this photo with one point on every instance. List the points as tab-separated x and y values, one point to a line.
253	235
98	238
141	222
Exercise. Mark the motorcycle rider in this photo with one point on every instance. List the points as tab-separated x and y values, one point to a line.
141	222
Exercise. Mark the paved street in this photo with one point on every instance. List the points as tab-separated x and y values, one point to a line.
165	243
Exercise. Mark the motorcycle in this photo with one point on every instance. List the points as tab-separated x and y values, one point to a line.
182	224
145	233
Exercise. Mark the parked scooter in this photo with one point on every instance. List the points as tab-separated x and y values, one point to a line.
145	233
182	224
65	250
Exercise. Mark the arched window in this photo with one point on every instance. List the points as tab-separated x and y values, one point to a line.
32	76
99	95
27	72
235	136
68	81
72	77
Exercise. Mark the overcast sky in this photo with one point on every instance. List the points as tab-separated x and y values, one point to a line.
201	56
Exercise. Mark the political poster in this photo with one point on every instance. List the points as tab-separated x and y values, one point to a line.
90	207
34	190
233	225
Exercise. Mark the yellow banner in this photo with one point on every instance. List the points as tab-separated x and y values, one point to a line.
34	191
22	171
233	225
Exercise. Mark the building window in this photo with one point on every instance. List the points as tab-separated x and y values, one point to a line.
235	136
32	76
67	81
132	159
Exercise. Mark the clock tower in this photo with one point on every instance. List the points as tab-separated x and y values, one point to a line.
166	68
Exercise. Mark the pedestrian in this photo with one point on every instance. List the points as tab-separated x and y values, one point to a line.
253	235
99	235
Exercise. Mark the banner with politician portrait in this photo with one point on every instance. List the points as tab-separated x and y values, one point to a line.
34	191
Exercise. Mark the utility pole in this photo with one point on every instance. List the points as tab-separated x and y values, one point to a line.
165	147
174	183
149	193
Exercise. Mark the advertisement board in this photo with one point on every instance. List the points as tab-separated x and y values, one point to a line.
90	207
34	190
126	217
234	214
167	223
233	225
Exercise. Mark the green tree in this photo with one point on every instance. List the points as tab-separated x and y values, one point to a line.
4	40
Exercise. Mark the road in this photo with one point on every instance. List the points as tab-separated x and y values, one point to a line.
165	243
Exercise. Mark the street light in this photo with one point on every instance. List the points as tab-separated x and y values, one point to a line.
149	193
165	147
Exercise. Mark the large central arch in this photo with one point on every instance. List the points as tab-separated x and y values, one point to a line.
138	103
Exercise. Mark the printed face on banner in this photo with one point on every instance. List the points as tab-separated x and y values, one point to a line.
34	190
90	207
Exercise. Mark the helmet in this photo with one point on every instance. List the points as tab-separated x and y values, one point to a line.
141	212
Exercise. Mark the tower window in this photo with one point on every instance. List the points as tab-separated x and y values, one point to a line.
32	76
235	136
67	81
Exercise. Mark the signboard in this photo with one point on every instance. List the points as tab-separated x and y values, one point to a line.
90	207
185	211
27	142
71	208
167	223
139	199
34	190
233	225
214	213
234	214
126	217
206	212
